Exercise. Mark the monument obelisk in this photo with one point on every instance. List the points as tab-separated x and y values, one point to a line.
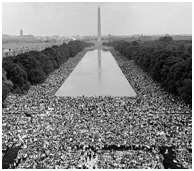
99	43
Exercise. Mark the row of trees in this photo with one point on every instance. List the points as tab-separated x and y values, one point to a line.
168	62
33	67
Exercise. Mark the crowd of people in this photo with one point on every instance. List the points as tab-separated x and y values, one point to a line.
67	132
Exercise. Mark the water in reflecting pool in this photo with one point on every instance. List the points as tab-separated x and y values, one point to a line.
97	74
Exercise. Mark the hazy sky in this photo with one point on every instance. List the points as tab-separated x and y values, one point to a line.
117	18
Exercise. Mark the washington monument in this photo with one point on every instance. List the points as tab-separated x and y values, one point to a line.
99	43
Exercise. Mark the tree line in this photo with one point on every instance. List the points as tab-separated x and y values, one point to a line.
166	61
31	68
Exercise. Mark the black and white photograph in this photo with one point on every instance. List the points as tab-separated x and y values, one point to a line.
96	85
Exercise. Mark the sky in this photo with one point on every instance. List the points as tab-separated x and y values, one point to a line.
80	18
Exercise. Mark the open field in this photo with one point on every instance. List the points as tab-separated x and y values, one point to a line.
23	45
15	49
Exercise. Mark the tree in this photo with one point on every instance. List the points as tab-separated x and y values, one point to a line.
36	76
7	85
166	39
16	74
186	91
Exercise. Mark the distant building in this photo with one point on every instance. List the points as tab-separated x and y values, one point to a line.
25	36
21	32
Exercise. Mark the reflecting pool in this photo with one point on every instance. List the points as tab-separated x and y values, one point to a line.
97	74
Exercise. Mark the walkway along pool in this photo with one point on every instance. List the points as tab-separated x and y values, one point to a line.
97	74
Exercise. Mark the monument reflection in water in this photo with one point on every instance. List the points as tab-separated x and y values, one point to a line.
97	74
99	64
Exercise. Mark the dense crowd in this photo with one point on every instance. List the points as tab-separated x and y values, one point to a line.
66	132
152	97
